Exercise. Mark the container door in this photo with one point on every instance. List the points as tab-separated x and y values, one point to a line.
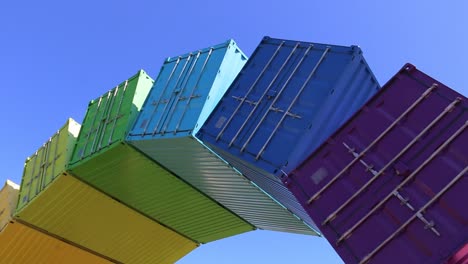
393	179
105	121
269	109
44	166
182	89
114	126
90	131
30	180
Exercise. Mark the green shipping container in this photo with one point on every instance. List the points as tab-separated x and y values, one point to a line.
103	159
109	117
47	163
54	202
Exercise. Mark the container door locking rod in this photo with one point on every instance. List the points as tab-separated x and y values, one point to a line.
250	90
156	104
91	129
118	115
193	90
179	94
397	194
395	122
396	157
403	183
155	130
45	164
293	101
276	98
257	103
404	225
107	118
100	120
32	175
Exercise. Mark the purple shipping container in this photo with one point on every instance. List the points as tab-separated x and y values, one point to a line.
391	186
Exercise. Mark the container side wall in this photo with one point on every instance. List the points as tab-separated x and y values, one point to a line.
399	166
271	185
71	209
132	178
23	245
189	159
47	163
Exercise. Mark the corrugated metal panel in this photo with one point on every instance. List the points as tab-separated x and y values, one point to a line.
48	162
273	187
78	213
109	117
199	166
286	101
186	90
390	186
66	207
21	244
289	97
132	178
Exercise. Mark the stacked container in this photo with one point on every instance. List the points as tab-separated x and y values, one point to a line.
286	101
22	244
390	186
53	201
186	91
461	257
103	159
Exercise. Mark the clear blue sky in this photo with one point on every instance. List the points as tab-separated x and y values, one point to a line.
55	56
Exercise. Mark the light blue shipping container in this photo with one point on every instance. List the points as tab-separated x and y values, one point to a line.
287	100
184	94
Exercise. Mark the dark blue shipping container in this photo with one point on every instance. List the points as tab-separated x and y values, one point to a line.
288	98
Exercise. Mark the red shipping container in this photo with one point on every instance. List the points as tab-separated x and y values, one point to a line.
461	257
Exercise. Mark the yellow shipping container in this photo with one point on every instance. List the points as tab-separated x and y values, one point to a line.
22	244
58	203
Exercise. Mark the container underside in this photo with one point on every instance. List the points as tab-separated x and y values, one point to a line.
73	210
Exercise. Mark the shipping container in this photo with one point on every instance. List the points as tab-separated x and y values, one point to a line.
47	163
461	257
289	97
22	244
390	186
185	92
109	117
53	201
124	173
8	201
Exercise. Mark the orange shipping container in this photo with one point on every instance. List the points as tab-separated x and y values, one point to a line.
22	244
